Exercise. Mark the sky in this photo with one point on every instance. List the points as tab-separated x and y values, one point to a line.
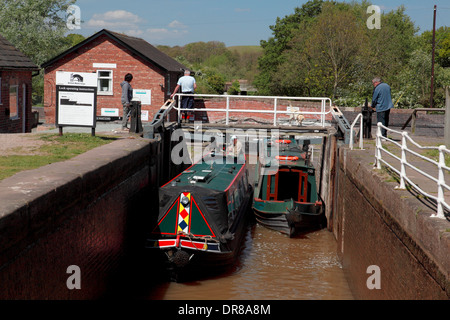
233	22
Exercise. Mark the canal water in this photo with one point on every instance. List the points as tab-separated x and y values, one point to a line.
271	266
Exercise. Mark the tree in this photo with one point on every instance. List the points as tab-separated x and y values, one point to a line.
73	39
274	47
442	48
36	28
235	88
336	42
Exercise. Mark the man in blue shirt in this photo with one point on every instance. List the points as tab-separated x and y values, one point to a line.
188	86
382	102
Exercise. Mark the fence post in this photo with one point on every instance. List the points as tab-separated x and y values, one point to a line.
378	147
447	117
403	162
361	133
179	109
413	123
275	111
227	111
441	183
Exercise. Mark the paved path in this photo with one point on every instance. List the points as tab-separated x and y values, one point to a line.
423	182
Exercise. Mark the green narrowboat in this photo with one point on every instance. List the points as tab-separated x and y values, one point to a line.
286	197
203	217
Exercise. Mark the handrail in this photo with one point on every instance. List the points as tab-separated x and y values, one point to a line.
440	180
361	143
413	117
275	111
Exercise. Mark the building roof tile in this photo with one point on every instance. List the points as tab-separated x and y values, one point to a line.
12	58
137	45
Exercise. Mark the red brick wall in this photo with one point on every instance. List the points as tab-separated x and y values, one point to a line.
105	50
15	78
63	217
376	227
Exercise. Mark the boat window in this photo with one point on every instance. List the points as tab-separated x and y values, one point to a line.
288	184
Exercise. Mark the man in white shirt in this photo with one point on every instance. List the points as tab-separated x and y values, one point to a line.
188	86
235	148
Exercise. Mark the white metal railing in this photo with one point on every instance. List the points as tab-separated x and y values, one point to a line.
361	142
324	102
441	167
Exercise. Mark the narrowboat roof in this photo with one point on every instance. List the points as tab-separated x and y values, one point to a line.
290	153
216	175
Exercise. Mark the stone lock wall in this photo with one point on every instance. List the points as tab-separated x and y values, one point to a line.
376	226
84	212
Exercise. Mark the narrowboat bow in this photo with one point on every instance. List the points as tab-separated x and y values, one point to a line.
202	216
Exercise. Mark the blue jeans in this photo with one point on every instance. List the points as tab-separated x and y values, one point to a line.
383	117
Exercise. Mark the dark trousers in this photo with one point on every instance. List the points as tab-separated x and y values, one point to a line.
383	117
187	103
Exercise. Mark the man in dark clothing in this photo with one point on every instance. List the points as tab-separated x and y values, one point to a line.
127	96
382	102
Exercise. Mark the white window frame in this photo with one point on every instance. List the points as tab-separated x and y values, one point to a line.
110	92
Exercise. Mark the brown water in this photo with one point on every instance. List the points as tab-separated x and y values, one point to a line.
271	266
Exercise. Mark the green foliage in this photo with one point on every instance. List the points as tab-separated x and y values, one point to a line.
326	49
73	39
214	64
274	47
216	83
36	28
235	88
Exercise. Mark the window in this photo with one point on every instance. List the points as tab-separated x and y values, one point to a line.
14	102
105	82
0	90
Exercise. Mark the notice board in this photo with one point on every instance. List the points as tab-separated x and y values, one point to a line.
76	99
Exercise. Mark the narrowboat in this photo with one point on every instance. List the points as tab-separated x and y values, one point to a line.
203	217
285	196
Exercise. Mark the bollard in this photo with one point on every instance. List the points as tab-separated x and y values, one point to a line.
367	121
135	121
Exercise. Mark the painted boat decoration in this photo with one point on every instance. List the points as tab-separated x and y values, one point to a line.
203	217
286	199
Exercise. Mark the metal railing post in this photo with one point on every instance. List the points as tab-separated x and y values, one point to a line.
403	162
179	109
322	116
441	183
378	147
275	102
361	143
227	111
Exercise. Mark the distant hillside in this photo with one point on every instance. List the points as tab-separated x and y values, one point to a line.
246	49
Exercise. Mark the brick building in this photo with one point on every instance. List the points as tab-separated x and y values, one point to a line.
112	55
16	71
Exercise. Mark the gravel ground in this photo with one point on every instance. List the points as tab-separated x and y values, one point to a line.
29	143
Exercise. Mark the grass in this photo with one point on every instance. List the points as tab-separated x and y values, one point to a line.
58	148
434	154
